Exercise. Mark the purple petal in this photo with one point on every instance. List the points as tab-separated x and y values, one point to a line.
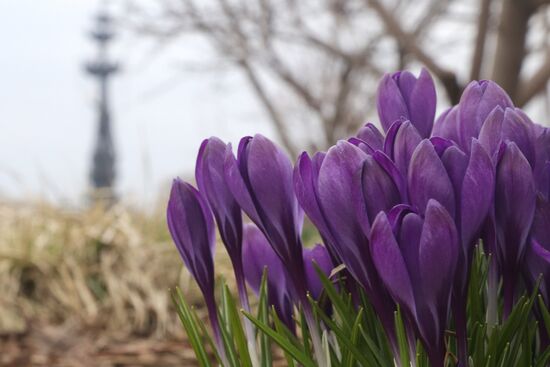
438	251
542	167
321	257
514	204
305	186
390	103
410	230
490	135
267	176
238	186
455	162
406	141
541	222
476	103
337	179
371	136
518	128
438	255
192	228
428	179
446	125
270	174
390	264
440	144
259	255
476	193
421	104
209	173
379	192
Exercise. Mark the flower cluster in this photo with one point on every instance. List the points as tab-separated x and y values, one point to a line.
402	209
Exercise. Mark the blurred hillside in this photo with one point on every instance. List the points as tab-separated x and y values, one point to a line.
89	288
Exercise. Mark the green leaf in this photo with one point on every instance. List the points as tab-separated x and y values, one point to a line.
225	328
236	330
402	340
283	342
263	316
190	327
343	337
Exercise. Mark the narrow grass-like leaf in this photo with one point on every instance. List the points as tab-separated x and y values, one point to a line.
283	342
343	337
226	332
402	340
266	359
236	329
191	328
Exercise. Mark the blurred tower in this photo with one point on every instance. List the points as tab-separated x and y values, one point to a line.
102	174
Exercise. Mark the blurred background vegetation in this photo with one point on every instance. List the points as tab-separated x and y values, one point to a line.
86	282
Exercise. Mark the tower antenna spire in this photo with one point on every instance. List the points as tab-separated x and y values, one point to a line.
103	169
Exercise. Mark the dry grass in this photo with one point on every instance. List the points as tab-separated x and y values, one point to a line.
77	271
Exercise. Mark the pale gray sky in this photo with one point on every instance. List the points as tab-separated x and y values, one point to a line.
161	113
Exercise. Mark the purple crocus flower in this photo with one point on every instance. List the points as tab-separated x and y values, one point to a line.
403	96
306	173
261	182
416	259
258	255
473	179
260	179
327	186
209	173
192	228
515	200
464	121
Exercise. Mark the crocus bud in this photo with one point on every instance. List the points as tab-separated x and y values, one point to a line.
473	180
514	208
257	256
191	225
209	173
476	103
260	179
210	176
337	190
403	96
192	228
416	260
